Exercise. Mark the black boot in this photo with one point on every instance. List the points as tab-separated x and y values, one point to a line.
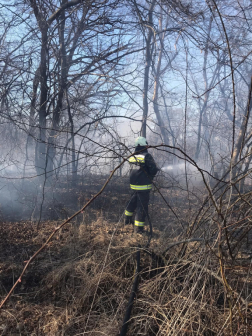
139	229
128	220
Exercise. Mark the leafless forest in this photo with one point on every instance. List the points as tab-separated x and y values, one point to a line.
79	81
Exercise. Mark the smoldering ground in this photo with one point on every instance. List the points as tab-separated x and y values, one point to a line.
35	198
53	197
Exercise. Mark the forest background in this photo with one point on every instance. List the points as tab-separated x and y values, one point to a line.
79	81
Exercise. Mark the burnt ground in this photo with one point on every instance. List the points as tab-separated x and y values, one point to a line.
58	199
82	281
21	238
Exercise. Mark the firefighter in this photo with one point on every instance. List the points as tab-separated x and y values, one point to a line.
143	170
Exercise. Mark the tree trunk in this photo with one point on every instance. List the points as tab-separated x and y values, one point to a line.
241	137
31	133
41	148
156	87
148	58
206	96
74	165
62	85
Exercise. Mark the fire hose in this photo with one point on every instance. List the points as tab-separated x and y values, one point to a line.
132	295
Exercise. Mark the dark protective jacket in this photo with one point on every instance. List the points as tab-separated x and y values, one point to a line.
143	169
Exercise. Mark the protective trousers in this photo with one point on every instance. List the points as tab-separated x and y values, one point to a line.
139	201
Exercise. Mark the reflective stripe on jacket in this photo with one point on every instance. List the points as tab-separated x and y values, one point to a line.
139	158
143	170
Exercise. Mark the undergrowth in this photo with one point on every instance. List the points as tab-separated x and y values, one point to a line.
81	285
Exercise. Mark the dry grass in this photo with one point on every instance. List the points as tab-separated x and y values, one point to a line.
84	282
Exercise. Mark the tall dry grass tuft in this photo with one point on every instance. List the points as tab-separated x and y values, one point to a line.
185	288
178	295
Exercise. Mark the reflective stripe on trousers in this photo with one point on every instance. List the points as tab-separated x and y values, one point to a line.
127	213
141	187
139	201
139	223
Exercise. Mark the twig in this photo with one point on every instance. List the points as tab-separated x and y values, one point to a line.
183	242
